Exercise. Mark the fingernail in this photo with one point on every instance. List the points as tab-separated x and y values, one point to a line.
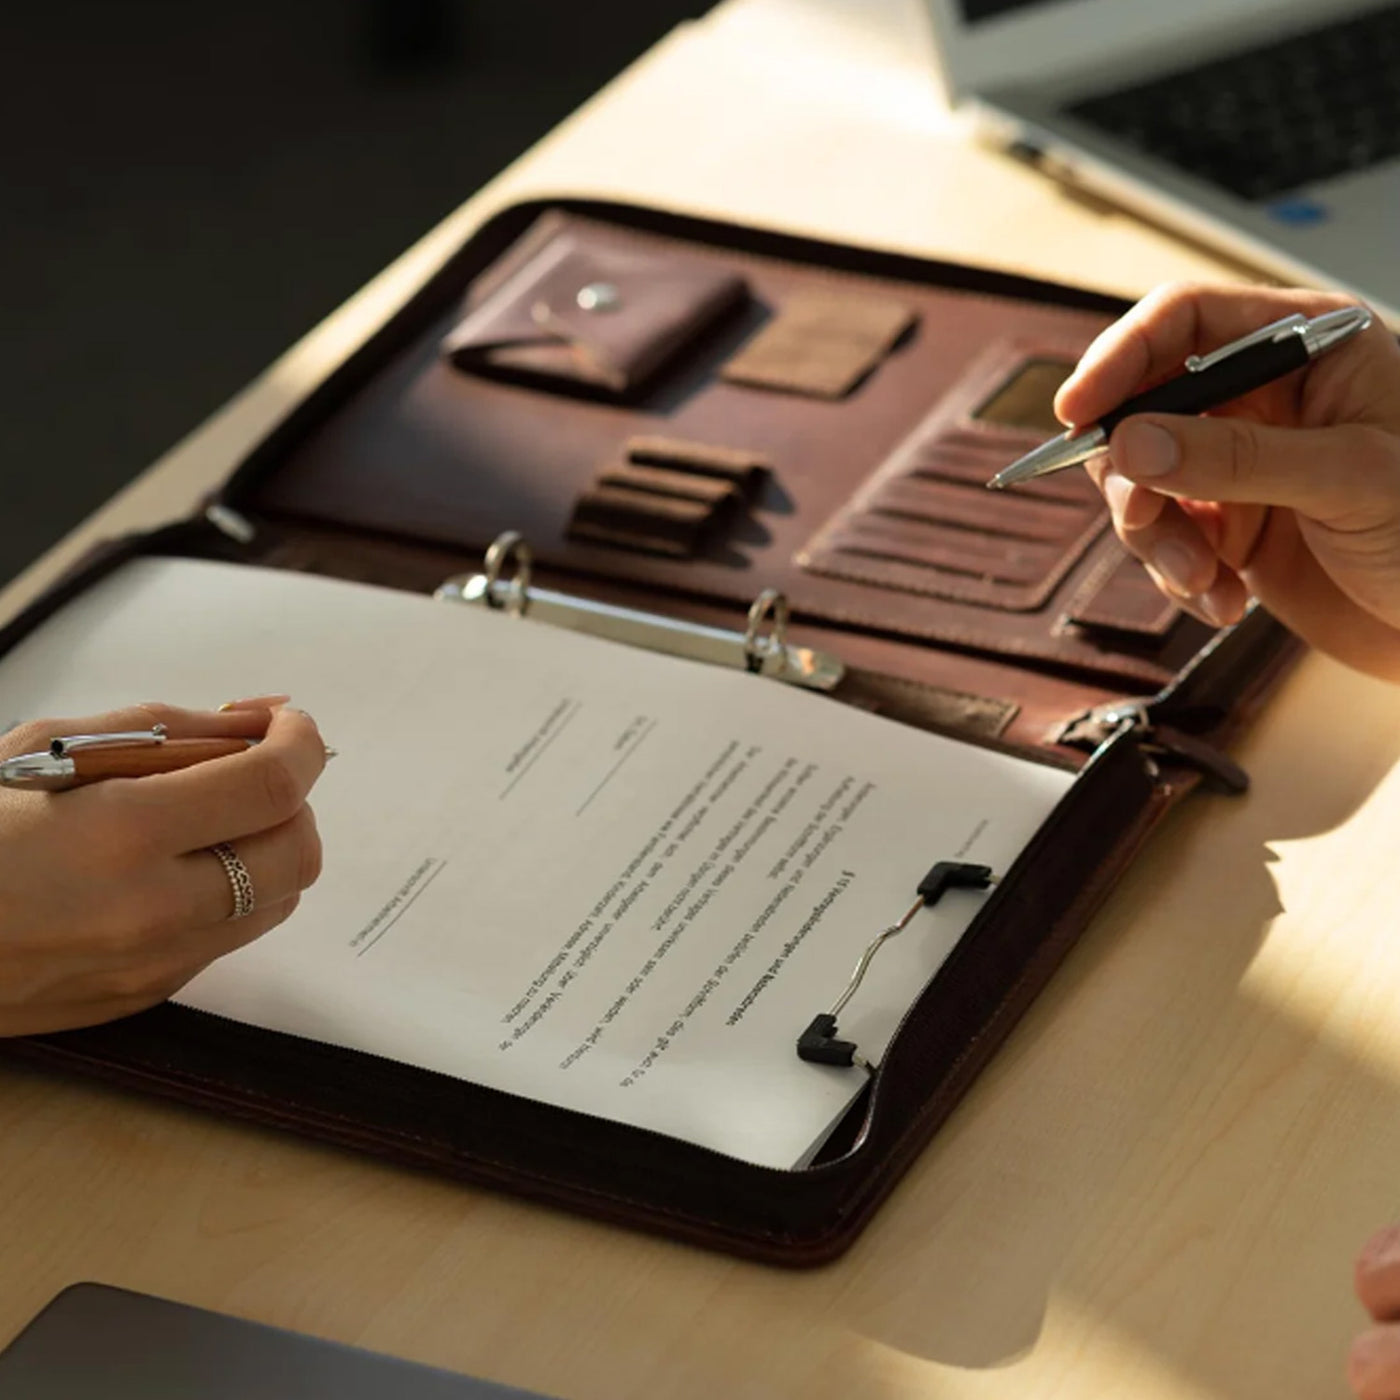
1178	564
254	702
1116	489
1144	449
1218	604
331	753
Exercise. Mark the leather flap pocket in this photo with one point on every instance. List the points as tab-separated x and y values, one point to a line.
585	314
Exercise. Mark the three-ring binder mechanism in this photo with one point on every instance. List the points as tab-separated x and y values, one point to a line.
762	647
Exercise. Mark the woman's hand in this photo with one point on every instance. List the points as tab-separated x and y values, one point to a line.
109	897
1291	494
1374	1365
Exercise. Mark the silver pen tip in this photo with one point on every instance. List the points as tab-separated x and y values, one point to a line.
1053	456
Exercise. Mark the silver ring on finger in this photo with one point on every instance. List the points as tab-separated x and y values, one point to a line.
240	882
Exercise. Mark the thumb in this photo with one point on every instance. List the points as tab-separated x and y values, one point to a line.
1347	476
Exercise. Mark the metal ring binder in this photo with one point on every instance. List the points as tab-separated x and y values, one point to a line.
757	646
509	547
767	654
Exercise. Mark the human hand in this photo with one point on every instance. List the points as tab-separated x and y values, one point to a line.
1291	493
110	900
1373	1368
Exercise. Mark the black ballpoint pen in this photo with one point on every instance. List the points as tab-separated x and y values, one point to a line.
1210	380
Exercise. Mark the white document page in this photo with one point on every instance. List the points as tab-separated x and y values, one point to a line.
565	868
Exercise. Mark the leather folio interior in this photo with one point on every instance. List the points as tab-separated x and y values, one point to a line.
621	386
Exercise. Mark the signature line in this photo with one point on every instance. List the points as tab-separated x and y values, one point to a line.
539	752
402	909
608	776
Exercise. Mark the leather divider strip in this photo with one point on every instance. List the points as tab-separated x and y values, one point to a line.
1120	597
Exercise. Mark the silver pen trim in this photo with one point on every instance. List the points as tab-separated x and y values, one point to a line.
42	771
1334	327
80	743
1296	324
1064	451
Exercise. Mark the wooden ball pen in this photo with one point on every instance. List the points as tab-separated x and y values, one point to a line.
90	758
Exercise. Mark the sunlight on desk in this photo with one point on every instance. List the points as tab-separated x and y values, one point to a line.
1337	880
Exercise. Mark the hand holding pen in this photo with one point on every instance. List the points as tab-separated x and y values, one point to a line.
1289	493
114	894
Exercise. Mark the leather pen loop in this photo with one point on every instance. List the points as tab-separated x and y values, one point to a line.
758	647
509	548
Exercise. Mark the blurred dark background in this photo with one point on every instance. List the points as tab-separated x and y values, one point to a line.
187	188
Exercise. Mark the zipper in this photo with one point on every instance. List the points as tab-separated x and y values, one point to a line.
1156	741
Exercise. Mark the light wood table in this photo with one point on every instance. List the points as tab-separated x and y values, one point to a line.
1155	1191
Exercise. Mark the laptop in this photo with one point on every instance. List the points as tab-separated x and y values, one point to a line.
99	1343
1269	128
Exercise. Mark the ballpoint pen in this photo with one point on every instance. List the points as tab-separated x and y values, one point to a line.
89	758
1210	380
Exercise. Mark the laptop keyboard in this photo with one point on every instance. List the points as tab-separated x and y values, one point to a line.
1265	122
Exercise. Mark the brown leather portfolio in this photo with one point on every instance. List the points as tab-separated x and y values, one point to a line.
676	416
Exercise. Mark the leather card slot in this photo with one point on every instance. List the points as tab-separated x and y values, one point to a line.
955	466
1007	445
948	458
972	508
1119	596
1073	488
640	520
936	547
746	470
1070	486
663	481
920	580
877	552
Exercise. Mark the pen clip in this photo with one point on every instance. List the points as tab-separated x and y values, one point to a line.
1295	324
69	744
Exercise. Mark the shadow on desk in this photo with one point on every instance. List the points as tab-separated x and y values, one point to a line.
1194	1130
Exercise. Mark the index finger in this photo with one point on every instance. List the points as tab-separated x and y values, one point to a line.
1151	342
179	724
226	798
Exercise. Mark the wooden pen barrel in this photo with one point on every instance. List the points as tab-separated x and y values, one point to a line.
130	761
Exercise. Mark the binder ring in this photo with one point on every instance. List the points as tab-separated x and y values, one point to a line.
507	548
757	646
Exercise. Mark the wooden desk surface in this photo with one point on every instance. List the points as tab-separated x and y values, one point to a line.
1157	1189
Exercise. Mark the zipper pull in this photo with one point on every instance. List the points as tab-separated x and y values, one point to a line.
1088	730
1219	772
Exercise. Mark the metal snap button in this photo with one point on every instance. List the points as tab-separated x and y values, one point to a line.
598	296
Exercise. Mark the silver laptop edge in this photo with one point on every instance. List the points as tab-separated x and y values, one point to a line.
1088	47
